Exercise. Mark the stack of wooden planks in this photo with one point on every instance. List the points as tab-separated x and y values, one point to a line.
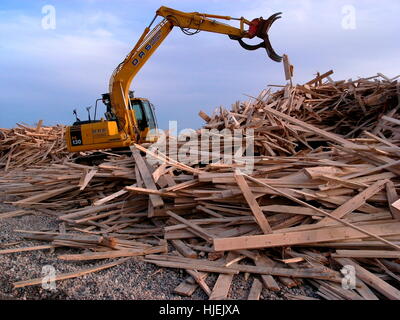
344	107
24	145
318	208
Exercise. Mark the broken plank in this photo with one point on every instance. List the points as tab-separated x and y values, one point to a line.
69	275
255	291
304	237
147	177
252	202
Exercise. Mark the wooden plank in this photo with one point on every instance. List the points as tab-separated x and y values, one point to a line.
285	194
186	289
268	280
366	254
288	68
43	196
69	275
183	249
372	280
204	116
393	198
112	254
304	237
110	197
35	248
319	78
212	266
222	285
322	133
356	202
86	179
252	202
255	291
13	214
147	177
193	227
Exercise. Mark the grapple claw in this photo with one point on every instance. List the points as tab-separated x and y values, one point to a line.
260	28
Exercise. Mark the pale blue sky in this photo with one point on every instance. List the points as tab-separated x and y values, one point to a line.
45	74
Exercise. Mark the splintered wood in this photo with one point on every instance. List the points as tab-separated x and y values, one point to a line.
322	196
24	146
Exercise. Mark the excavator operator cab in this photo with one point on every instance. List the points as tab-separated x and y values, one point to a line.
144	113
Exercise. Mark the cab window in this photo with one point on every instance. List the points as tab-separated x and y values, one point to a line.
140	117
149	115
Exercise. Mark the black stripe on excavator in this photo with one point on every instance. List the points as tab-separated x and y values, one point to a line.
76	136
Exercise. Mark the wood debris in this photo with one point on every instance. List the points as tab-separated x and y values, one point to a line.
323	194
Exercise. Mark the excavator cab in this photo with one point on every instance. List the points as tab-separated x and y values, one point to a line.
144	115
105	134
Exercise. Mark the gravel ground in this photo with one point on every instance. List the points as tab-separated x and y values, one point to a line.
133	280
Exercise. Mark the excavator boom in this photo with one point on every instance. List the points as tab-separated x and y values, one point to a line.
124	112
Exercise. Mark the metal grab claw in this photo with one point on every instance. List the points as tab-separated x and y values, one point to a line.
263	27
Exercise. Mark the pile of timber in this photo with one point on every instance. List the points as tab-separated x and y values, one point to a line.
318	208
344	107
24	146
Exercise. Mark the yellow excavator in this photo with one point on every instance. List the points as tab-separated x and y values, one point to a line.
128	119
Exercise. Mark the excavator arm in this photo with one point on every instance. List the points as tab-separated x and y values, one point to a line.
189	23
129	119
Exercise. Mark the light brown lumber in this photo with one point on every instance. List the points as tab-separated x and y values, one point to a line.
14	250
210	266
221	288
325	134
304	237
112	254
169	161
288	68
69	275
325	213
268	280
90	210
356	202
193	227
43	196
372	280
317	172
39	126
299	297
183	249
319	78
252	202
383	254
255	291
198	267
372	170
199	278
290	210
110	197
13	214
209	211
186	289
150	191
392	197
147	178
364	291
86	179
204	116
